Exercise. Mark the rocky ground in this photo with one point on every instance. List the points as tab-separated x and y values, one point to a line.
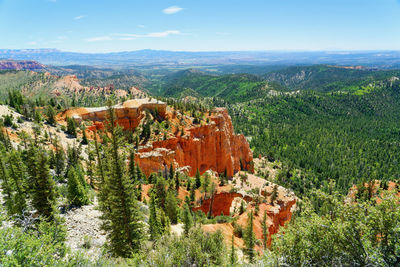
84	233
28	126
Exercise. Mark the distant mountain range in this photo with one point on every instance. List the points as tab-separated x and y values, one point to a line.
381	59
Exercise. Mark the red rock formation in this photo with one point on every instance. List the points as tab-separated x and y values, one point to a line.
221	205
212	146
20	65
279	218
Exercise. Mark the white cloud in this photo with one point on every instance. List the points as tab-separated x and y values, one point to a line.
32	43
172	10
79	17
99	39
128	36
133	36
141	26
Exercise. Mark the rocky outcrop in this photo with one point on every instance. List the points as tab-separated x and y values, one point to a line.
209	146
128	114
20	65
221	204
212	146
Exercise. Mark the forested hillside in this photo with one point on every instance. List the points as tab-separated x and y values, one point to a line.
326	78
231	87
344	137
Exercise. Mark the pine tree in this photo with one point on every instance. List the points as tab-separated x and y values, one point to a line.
164	222
51	115
250	239
198	180
132	167
171	207
43	192
161	192
122	218
84	138
18	176
192	193
264	229
71	126
77	194
274	194
187	219
59	158
177	182
154	223
6	187
171	172
233	253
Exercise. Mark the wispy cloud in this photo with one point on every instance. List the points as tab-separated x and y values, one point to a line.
32	43
131	36
141	26
172	10
99	39
79	17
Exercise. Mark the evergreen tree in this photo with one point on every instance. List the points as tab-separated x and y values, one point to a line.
171	172
43	192
84	138
274	194
51	115
71	126
187	219
164	222
18	176
6	187
177	183
233	252
154	222
122	218
77	194
192	193
265	229
161	192
171	207
198	180
132	167
250	239
59	158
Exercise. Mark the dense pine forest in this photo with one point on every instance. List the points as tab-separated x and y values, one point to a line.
331	136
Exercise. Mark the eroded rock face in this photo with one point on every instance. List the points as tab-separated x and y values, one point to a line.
222	203
128	114
213	146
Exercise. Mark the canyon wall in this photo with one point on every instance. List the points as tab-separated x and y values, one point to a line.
212	146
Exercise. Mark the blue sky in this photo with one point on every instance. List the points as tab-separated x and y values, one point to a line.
200	25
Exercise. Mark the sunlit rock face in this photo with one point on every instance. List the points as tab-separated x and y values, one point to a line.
211	146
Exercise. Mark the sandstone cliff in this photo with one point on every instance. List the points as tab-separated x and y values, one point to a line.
208	146
212	146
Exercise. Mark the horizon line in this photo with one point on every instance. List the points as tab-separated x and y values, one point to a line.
208	51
